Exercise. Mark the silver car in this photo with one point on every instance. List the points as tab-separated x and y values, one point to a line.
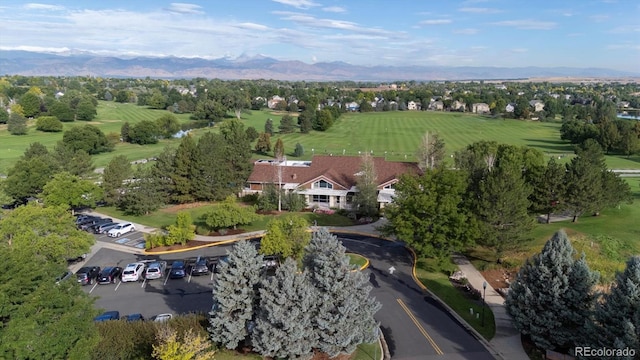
155	270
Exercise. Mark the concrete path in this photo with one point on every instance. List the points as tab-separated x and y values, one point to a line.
507	339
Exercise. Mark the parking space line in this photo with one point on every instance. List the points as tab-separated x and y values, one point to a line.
420	328
144	283
94	286
117	286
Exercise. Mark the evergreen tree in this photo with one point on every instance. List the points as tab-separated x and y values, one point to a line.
549	189
208	178
118	170
235	296
17	124
365	200
142	196
298	151
235	163
343	315
617	316
268	126
502	208
584	180
551	298
182	171
125	130
284	327
286	124
77	162
305	120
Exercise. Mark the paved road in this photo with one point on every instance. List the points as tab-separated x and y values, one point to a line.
414	325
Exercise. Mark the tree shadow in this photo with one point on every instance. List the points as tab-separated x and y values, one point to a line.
559	146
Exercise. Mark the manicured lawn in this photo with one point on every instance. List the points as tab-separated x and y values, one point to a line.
397	135
224	354
433	277
368	352
357	260
608	240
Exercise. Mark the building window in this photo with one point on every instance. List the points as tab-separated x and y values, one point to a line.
321	184
390	186
321	199
349	198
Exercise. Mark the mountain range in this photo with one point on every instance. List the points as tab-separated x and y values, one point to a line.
14	62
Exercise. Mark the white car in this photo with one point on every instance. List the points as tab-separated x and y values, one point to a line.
163	317
155	270
133	272
120	229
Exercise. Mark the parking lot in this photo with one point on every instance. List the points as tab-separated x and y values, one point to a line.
152	297
134	239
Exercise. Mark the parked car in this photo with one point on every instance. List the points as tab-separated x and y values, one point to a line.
133	272
109	275
163	317
88	226
221	259
83	217
201	267
92	228
155	270
106	316
87	274
134	317
67	274
88	220
120	229
177	270
103	228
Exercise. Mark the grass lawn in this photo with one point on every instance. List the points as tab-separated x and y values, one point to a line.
367	352
608	240
397	135
224	354
357	260
434	278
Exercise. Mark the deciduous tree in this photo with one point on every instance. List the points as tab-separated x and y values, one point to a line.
167	125
229	214
365	200
278	150
70	192
88	138
17	124
182	231
431	151
189	346
263	145
286	236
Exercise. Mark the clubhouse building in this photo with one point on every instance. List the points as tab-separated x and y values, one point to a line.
327	182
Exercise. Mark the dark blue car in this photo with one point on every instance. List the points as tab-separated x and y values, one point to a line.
109	315
134	317
177	270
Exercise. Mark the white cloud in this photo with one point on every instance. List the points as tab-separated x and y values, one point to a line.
318	23
435	22
184	8
625	29
480	10
599	18
252	26
468	31
334	9
527	24
37	48
298	4
36	6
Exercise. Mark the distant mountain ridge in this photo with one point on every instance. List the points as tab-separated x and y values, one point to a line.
14	62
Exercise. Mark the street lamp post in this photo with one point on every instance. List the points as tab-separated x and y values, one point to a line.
484	293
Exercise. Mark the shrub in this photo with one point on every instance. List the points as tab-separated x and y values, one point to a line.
48	124
299	150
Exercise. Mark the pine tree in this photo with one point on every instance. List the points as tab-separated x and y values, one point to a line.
584	180
235	296
268	127
617	317
286	124
552	295
182	167
118	170
278	150
344	312
284	327
549	188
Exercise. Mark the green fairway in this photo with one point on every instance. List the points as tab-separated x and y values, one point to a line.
110	118
396	135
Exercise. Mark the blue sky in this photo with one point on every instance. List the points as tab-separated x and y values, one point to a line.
511	33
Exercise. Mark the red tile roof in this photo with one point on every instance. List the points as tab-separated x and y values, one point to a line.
340	170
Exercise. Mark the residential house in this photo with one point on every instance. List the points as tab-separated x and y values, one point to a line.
537	105
480	108
412	105
271	103
436	105
327	181
458	106
352	106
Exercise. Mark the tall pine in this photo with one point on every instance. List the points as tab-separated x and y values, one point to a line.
181	175
552	297
584	180
235	295
617	316
284	327
343	315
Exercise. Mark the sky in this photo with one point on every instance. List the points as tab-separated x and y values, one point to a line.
504	33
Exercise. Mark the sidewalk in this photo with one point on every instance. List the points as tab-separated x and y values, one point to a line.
507	339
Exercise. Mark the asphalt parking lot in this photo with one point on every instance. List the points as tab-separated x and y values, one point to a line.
134	239
151	297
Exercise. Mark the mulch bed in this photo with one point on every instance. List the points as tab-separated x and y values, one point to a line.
194	243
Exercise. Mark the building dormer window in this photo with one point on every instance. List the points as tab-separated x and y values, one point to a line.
390	186
321	184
